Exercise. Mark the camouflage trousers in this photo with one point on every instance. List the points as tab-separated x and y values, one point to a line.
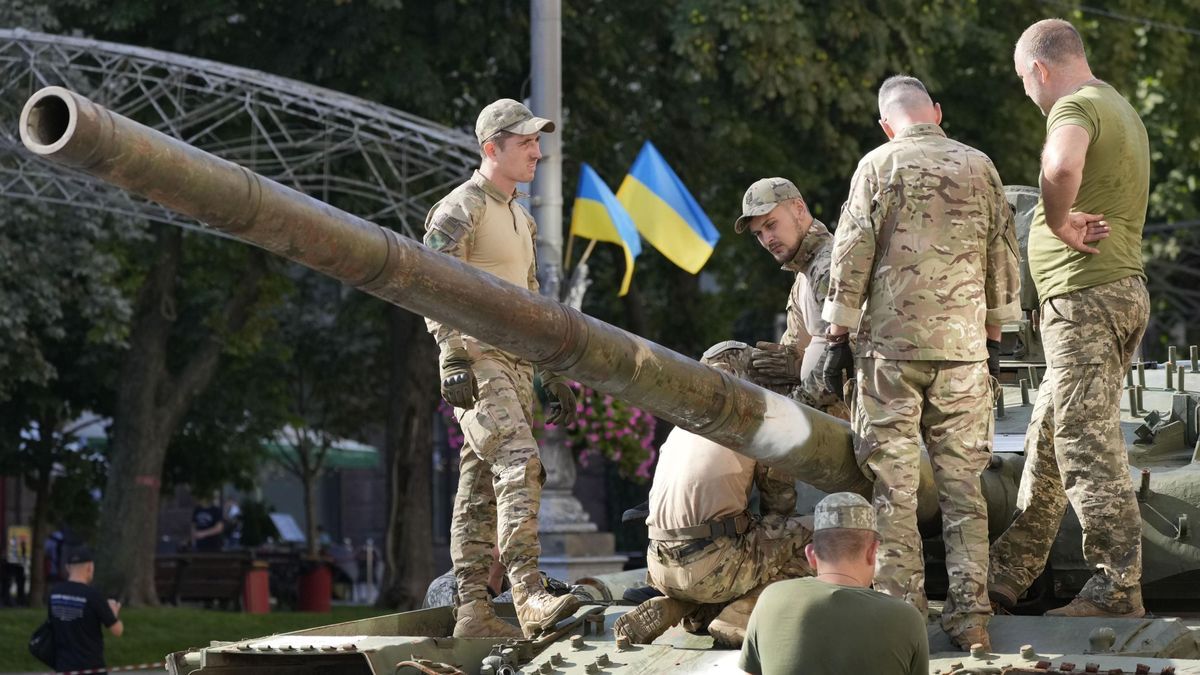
728	568
948	406
1074	448
499	481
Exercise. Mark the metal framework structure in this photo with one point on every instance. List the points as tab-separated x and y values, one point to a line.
382	164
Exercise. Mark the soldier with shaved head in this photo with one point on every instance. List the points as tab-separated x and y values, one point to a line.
924	271
1094	309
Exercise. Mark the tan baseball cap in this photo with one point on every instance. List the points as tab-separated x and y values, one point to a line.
765	194
844	510
511	116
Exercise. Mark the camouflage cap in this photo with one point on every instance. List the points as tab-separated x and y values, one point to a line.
762	197
844	510
511	116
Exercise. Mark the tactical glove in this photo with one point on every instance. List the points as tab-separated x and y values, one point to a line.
993	347
773	364
838	360
561	409
459	387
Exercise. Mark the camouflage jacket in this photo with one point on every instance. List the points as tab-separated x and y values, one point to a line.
925	253
811	267
487	229
805	327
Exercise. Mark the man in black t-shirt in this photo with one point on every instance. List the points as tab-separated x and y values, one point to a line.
208	526
76	613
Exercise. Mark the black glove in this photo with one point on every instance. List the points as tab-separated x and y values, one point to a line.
838	360
458	380
561	400
993	347
773	363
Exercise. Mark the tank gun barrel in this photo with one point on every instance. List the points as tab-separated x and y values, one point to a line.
73	131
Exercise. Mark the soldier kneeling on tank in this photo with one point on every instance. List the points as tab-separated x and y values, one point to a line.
708	554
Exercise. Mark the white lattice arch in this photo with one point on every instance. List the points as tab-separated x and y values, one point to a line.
376	162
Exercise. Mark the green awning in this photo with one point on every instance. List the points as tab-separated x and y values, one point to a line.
345	454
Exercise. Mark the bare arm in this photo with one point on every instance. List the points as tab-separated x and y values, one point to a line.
1062	172
117	628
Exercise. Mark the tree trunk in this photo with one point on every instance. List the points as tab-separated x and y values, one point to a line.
41	513
412	402
309	481
152	403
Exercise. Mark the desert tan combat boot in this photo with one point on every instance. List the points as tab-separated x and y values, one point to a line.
644	623
973	635
537	610
728	630
478	620
1085	607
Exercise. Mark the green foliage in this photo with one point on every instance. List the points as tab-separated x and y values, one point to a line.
728	91
57	287
331	339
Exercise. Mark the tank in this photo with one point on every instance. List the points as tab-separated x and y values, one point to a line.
78	134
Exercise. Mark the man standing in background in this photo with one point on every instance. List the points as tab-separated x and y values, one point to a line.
77	610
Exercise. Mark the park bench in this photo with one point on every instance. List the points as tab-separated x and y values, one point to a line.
201	577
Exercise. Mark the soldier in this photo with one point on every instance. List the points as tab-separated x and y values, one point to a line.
708	555
1094	308
500	474
775	212
924	258
820	622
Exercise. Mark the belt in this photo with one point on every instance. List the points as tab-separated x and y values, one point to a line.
727	527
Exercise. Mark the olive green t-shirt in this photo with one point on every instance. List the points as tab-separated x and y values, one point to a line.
817	628
1116	183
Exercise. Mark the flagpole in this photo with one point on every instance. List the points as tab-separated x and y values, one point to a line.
587	252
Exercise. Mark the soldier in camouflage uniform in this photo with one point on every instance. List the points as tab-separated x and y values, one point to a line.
500	473
1094	308
774	211
924	258
708	555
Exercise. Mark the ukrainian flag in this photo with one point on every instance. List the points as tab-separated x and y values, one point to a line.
598	215
665	212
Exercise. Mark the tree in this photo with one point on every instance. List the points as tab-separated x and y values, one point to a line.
64	315
178	334
412	393
330	376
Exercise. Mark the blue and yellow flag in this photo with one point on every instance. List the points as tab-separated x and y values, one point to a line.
598	215
665	212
